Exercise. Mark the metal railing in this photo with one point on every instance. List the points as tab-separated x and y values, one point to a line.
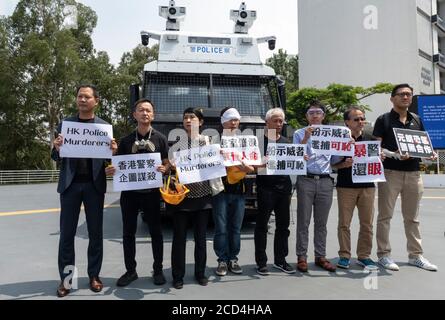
28	176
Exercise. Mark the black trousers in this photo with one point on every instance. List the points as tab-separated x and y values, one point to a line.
180	222
268	201
70	202
149	203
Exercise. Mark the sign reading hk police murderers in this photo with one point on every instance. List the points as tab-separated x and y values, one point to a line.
285	159
237	149
86	140
137	171
367	166
332	140
199	164
416	143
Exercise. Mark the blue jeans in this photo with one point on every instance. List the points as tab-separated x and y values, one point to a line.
227	238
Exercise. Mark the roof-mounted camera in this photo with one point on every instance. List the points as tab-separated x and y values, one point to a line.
173	14
243	18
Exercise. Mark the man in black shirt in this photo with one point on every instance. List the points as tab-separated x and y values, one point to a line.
351	195
81	180
144	139
402	177
274	194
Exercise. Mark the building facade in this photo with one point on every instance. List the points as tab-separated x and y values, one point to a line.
364	42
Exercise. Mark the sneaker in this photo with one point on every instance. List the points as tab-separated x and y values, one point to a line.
343	263
234	267
221	270
367	264
285	267
127	278
423	263
388	263
263	271
158	278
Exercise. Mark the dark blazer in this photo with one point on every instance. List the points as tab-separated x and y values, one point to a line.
68	165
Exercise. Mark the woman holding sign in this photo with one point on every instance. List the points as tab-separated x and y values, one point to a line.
195	207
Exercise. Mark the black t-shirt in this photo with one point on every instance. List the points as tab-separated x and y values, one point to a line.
344	177
157	138
389	140
84	166
279	183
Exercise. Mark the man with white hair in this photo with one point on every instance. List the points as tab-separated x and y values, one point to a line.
228	207
273	194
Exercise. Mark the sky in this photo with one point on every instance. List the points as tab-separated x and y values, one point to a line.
120	23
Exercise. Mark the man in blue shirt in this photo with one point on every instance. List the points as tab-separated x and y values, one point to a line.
313	190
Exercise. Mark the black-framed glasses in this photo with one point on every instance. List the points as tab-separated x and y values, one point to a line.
359	119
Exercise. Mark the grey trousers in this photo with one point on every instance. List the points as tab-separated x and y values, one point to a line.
316	194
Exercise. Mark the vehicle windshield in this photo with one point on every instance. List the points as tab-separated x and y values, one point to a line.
174	93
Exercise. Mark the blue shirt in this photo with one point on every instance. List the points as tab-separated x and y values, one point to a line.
317	164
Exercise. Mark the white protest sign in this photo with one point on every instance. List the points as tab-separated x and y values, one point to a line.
285	159
367	166
331	140
86	140
199	164
237	149
137	171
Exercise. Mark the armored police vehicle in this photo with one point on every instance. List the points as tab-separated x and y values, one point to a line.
210	71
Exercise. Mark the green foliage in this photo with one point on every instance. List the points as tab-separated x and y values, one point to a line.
129	71
44	62
286	66
336	97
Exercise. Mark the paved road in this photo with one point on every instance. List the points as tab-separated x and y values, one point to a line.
29	234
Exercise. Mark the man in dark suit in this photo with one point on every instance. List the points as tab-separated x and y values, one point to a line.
81	180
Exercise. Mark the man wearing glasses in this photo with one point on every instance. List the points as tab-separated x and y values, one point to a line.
351	195
313	190
402	177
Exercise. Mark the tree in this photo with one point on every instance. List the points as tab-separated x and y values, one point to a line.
286	66
129	71
45	60
336	97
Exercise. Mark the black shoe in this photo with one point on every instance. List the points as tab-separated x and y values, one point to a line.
178	284
158	278
262	271
127	278
203	281
285	267
62	291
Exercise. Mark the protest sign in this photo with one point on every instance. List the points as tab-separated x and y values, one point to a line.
416	143
86	140
137	171
199	164
240	148
367	166
331	140
285	159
